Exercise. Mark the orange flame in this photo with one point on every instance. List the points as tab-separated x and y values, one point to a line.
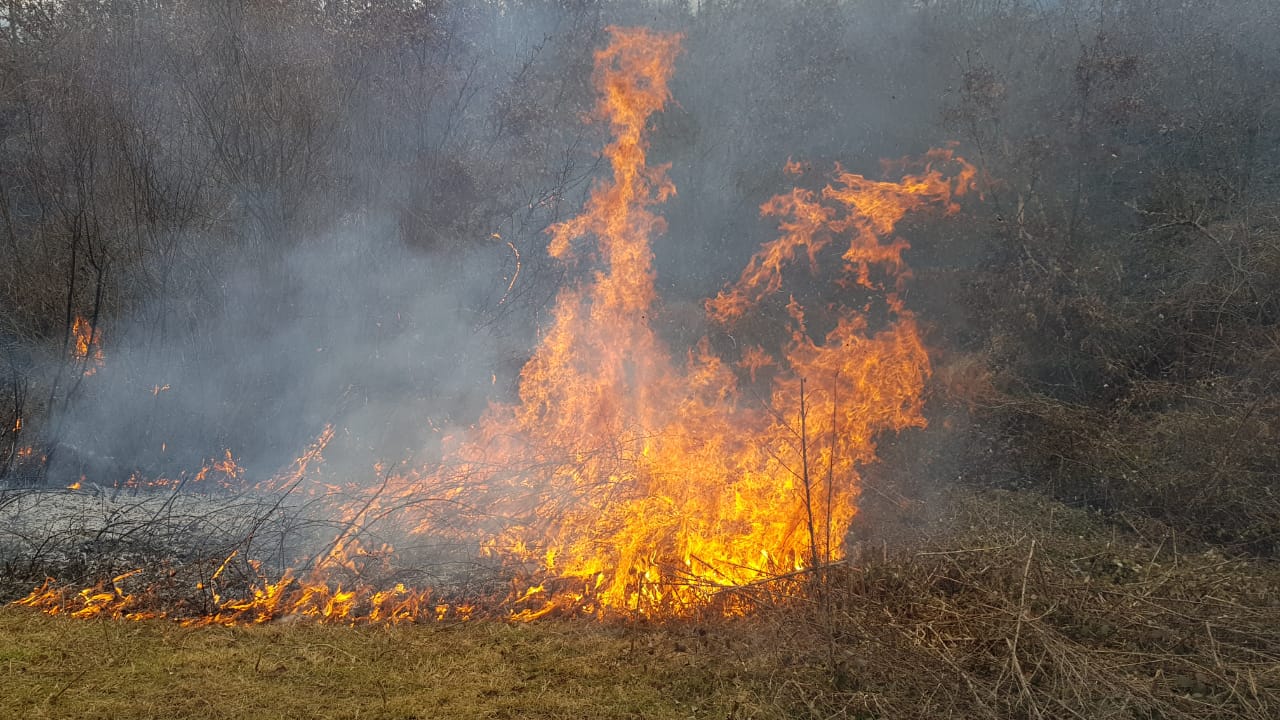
88	347
97	601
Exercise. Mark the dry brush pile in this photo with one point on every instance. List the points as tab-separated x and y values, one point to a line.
1032	610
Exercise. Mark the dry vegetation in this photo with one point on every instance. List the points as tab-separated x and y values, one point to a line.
60	668
1011	605
1033	609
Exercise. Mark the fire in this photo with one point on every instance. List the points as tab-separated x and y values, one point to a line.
852	206
102	600
221	475
287	599
629	476
88	345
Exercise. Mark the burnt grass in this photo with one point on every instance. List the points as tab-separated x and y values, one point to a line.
1001	604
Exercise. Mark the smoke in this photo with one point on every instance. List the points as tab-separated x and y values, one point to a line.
349	330
315	229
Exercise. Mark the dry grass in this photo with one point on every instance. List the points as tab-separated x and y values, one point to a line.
53	667
1025	608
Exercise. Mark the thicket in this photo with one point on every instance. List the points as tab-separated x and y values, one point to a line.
1128	334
